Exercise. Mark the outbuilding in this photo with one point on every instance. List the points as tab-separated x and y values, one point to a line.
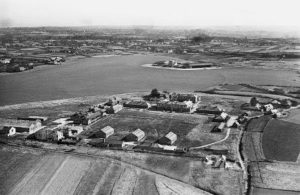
136	135
169	139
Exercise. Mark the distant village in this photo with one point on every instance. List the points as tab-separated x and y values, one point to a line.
23	49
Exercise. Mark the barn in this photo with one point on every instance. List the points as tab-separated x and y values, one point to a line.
136	135
22	125
168	139
105	132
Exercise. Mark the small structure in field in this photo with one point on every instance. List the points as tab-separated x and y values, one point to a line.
22	126
169	139
137	104
105	132
136	135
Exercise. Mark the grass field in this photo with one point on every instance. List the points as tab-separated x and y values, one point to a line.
280	141
192	130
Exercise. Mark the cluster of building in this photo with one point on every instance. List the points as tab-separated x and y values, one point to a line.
271	108
23	63
183	64
220	161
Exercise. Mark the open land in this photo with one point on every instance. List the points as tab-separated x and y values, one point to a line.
67	74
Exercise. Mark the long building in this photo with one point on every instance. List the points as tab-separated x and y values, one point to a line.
22	125
175	106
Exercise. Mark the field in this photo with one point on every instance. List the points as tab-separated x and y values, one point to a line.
192	130
280	141
67	174
282	176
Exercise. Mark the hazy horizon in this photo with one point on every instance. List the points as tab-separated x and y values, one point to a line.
189	13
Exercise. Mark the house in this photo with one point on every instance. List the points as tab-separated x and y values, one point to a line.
72	131
268	107
113	101
49	135
168	139
231	122
184	97
104	132
137	104
218	128
22	125
85	118
136	135
114	109
7	131
5	61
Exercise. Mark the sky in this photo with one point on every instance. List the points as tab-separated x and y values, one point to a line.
194	13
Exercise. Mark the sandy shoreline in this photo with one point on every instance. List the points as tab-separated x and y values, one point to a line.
67	101
168	68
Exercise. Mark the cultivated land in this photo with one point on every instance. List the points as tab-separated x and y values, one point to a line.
95	170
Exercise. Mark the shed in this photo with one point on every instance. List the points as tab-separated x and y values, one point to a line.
168	139
105	132
136	135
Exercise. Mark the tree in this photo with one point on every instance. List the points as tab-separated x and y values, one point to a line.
253	101
155	93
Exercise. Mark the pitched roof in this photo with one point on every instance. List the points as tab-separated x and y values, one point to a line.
16	123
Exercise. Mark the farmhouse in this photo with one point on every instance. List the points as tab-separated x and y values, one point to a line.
105	132
168	139
22	125
137	104
136	135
